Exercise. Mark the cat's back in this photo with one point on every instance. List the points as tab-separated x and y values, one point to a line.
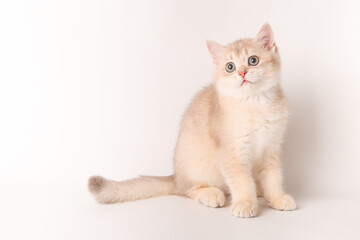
201	108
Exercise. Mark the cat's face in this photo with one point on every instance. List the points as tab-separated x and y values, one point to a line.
246	67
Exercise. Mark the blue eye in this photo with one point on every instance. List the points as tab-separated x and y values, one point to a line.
230	67
253	60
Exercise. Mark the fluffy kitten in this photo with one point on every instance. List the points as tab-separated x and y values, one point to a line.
230	137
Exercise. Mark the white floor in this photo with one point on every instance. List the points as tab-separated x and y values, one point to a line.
73	214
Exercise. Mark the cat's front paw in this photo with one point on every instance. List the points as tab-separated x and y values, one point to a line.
284	202
244	209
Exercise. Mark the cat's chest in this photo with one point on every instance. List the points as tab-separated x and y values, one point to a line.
261	135
260	129
266	130
259	122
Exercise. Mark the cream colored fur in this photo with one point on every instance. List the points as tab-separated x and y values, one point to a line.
230	138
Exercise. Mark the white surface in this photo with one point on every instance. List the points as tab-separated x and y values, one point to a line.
72	214
98	87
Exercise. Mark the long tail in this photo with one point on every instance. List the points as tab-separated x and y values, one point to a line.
109	191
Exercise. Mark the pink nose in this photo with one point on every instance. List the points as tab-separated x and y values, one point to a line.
242	74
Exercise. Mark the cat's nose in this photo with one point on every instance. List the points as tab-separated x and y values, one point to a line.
242	74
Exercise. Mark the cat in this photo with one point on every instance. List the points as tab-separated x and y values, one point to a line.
230	139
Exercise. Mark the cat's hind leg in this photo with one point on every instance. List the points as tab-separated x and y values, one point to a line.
208	196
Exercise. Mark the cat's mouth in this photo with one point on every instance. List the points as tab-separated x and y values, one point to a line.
245	82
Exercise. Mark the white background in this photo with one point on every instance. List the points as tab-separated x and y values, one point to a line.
99	87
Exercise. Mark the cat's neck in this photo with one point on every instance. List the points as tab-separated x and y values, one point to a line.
261	99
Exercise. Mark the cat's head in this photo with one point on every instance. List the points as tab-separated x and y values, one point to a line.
248	66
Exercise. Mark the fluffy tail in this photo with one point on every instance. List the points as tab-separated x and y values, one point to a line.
109	191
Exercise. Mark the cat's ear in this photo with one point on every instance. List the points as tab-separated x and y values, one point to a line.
216	50
265	38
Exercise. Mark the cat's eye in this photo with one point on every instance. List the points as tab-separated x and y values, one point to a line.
230	67
253	60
